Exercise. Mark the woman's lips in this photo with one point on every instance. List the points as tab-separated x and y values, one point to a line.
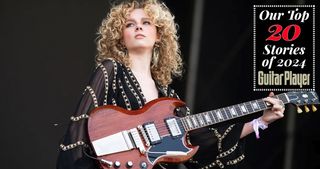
139	36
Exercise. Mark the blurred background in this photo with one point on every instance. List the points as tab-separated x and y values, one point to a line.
47	51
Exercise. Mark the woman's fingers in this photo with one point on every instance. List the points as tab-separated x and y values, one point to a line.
277	105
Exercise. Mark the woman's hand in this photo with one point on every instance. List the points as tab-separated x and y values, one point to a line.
275	112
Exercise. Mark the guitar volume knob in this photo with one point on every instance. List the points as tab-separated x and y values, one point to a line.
143	165
129	164
117	164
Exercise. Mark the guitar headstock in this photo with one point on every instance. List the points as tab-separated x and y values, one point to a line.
304	98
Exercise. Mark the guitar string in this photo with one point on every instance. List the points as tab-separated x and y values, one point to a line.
225	117
163	130
224	113
162	127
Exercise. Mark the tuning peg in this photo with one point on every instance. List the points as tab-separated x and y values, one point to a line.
306	109
299	110
313	108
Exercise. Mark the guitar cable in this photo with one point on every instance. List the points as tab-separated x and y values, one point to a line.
106	162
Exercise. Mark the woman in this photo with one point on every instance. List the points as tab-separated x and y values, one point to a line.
138	55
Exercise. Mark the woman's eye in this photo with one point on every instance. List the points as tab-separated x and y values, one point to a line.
147	23
129	25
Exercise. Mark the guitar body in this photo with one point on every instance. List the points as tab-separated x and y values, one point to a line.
109	125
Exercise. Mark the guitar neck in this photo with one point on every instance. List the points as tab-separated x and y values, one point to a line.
208	118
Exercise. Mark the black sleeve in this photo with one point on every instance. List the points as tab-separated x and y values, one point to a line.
209	150
75	142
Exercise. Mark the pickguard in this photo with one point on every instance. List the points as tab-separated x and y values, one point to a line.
168	143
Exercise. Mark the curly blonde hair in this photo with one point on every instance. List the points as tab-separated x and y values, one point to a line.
166	60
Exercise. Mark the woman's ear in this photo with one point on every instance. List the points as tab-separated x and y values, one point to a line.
121	41
122	44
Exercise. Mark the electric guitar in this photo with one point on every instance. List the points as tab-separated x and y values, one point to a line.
142	138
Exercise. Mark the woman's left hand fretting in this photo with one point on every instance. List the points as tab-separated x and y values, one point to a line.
275	112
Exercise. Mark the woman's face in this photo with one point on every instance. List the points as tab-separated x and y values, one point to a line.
139	31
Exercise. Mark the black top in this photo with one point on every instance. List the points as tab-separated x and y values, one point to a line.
113	83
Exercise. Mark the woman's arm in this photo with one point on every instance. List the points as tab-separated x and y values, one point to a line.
269	115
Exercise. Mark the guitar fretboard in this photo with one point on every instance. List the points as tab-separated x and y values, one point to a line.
227	113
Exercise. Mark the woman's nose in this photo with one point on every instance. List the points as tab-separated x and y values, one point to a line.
138	28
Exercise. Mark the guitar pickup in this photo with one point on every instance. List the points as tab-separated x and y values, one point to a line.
173	127
152	133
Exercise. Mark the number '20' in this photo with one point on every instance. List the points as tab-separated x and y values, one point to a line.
277	32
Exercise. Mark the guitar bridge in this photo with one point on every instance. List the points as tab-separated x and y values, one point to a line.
137	140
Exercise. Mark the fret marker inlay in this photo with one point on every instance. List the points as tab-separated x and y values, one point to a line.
219	115
233	112
255	106
207	117
243	109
